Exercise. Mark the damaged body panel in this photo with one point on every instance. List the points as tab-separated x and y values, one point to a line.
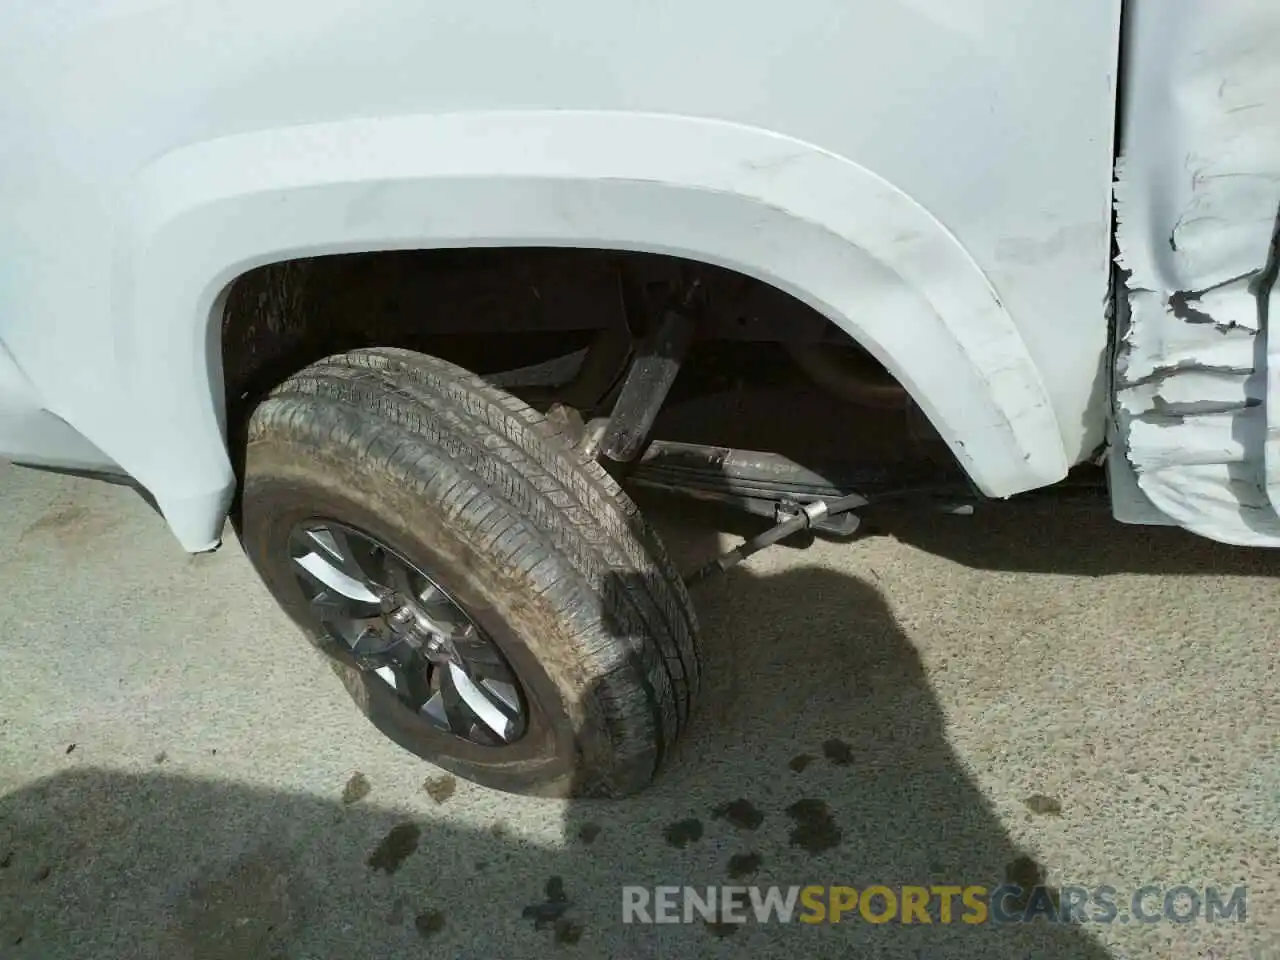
1197	193
924	186
931	177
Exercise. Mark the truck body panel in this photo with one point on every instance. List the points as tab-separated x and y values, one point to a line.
1198	190
926	174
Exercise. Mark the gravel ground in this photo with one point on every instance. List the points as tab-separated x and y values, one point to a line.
1034	691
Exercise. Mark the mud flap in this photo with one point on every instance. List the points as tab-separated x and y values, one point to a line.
1197	379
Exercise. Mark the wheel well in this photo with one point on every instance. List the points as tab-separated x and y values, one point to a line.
486	309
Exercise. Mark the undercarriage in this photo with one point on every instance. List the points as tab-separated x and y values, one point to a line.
813	406
677	377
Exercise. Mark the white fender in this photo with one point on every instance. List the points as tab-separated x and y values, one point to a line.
816	225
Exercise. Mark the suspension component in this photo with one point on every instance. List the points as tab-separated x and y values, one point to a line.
653	371
792	522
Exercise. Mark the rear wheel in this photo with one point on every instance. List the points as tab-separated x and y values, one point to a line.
492	603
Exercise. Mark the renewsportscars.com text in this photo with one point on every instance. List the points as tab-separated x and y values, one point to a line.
939	903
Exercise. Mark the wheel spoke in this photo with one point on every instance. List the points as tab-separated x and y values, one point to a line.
506	697
412	686
331	607
483	704
399	577
482	662
361	558
434	711
461	718
324	570
357	559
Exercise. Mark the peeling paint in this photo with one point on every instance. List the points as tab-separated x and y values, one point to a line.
1265	289
1197	192
1231	305
1158	343
1192	390
1157	441
1184	305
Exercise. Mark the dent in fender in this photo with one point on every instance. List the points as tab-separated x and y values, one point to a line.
816	225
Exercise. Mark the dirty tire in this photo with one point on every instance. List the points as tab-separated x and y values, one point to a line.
545	553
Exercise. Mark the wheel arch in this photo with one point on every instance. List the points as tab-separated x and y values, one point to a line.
815	225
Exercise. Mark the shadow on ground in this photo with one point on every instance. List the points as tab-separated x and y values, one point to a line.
819	758
1073	536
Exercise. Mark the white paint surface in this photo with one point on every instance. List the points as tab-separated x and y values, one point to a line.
1271	454
933	176
1198	197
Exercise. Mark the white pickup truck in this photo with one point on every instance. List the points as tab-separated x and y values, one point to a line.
404	289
